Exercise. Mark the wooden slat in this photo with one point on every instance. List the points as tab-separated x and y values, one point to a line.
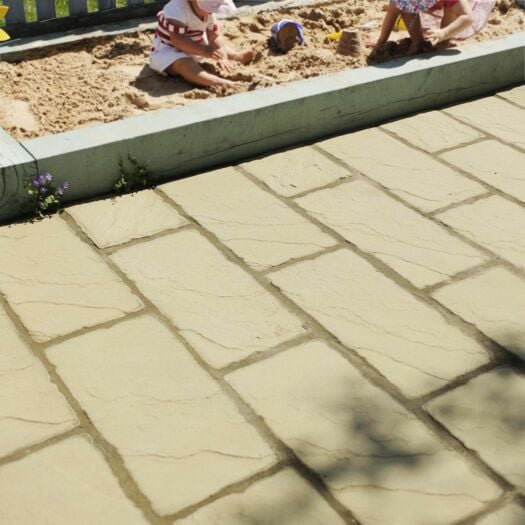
106	4
77	7
16	14
45	9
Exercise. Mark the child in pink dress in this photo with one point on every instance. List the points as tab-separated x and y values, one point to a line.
436	20
187	32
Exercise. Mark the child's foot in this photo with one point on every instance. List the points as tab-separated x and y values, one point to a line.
244	57
414	49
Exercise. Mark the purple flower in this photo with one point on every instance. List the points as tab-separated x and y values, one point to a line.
41	180
60	191
48	177
35	183
65	185
43	190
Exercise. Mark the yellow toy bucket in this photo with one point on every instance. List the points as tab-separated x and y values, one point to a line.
399	25
3	11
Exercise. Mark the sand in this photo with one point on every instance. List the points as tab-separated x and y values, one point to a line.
107	79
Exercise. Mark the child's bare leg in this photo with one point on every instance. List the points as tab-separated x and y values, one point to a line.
386	27
239	56
192	72
413	24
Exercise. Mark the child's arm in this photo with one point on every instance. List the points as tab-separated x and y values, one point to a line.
388	24
463	20
187	45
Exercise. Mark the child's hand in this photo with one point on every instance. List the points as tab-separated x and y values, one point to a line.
217	53
227	65
434	36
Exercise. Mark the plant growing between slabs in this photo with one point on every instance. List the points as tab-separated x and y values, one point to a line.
135	179
46	197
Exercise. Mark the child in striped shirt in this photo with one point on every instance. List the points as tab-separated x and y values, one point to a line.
188	32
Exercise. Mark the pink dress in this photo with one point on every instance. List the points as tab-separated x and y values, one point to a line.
431	18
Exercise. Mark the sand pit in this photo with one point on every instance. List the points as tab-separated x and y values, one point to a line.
107	79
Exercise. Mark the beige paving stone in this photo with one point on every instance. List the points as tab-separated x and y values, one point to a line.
494	116
180	436
406	340
56	283
31	407
516	95
495	223
494	163
487	415
511	514
114	221
221	310
416	247
296	170
495	302
433	131
282	499
414	176
376	458
259	228
64	484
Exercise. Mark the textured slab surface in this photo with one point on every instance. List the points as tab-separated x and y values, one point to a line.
487	415
284	498
31	407
494	301
408	342
180	436
376	458
56	283
516	95
412	245
494	223
415	177
219	308
259	228
296	170
66	483
108	222
509	515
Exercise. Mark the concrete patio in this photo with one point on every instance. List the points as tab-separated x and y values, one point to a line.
333	334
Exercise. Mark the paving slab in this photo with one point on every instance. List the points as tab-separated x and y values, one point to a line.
31	407
494	163
68	482
494	223
284	498
516	95
495	116
376	458
413	176
56	283
487	415
406	340
258	227
494	301
433	131
115	221
511	514
414	246
220	309
180	436
296	171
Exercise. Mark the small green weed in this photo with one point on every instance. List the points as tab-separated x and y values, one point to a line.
132	180
45	197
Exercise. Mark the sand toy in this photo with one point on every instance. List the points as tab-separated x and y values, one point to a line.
3	11
399	25
286	34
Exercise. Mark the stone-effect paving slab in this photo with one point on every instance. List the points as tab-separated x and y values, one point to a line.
296	170
516	95
495	116
487	415
222	311
31	407
282	499
406	340
495	302
180	436
414	176
56	283
494	163
109	222
511	514
495	223
64	484
258	227
376	458
433	131
412	245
